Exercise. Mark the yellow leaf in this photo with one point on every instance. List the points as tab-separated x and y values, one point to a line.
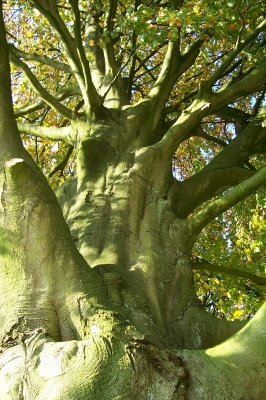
237	313
172	20
197	8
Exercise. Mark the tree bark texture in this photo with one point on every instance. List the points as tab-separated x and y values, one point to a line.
109	317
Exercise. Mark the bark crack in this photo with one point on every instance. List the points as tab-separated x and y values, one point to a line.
15	335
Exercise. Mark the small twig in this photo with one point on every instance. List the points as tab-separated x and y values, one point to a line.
118	74
258	102
243	24
63	163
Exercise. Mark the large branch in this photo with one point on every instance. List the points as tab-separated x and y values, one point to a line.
93	32
174	66
11	144
51	133
49	9
251	83
183	127
233	114
113	87
207	103
168	75
61	95
91	96
250	141
224	171
110	63
186	196
41	59
39	89
220	205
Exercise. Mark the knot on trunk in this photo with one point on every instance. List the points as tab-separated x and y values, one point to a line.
160	374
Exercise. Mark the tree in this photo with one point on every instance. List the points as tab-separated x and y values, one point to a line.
97	293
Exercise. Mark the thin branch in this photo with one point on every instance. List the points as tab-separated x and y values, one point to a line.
118	74
39	89
63	163
147	71
201	133
242	25
235	115
200	263
233	55
258	102
232	67
148	57
29	109
110	15
175	107
252	82
41	59
133	64
187	96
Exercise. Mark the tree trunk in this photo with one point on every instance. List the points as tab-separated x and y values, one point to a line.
113	330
